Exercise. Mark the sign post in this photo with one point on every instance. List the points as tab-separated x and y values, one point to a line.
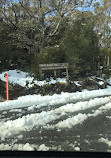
7	90
54	66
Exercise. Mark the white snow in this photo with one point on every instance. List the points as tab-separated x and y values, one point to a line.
16	77
15	110
70	103
40	101
24	147
68	123
101	82
43	147
80	118
21	78
25	123
82	105
77	83
105	140
77	149
109	80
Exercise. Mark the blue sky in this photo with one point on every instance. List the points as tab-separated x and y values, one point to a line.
91	8
86	9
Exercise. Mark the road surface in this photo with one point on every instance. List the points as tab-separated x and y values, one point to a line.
82	129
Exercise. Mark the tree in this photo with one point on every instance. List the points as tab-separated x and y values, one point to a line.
39	19
80	44
103	20
103	29
37	27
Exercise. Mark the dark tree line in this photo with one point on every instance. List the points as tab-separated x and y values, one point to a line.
47	31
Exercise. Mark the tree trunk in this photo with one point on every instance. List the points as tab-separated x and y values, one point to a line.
108	60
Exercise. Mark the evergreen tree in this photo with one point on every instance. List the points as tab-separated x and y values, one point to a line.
80	46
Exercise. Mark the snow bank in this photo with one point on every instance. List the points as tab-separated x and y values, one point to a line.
105	140
82	105
43	147
21	78
63	98
24	147
16	77
26	123
68	123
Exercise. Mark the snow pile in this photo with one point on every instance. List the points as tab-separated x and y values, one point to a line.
24	147
68	123
77	148
63	98
80	118
82	105
21	78
16	77
105	140
43	147
26	123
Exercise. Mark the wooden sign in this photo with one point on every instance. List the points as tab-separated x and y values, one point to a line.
54	66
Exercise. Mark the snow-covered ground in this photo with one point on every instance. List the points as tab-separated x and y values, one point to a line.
63	98
70	103
52	120
24	78
27	122
21	78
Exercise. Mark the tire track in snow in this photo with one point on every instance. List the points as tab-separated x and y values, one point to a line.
71	110
16	113
80	118
28	122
